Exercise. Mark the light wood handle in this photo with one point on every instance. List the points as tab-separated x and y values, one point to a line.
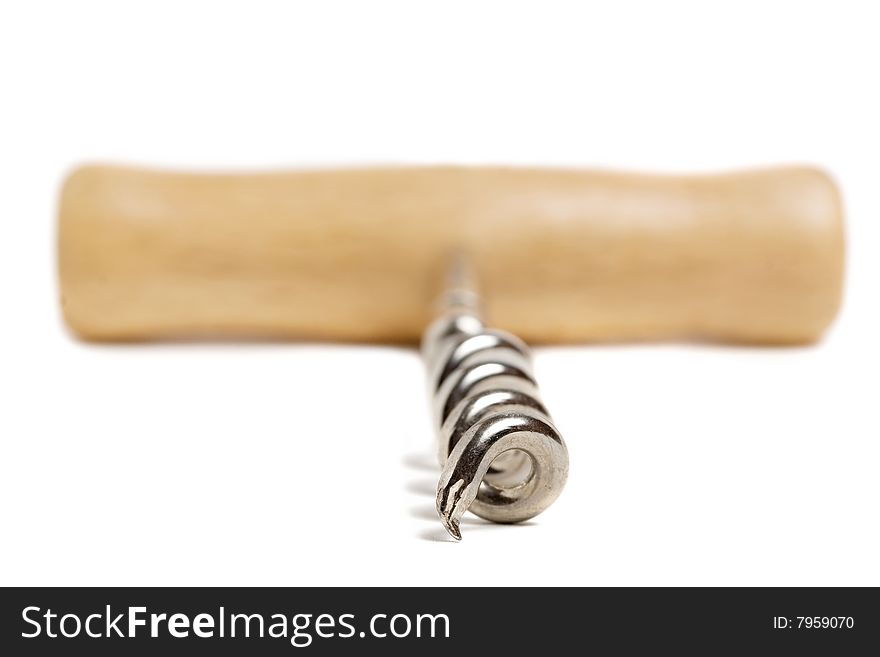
560	255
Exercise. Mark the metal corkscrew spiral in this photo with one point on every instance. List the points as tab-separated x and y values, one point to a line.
502	457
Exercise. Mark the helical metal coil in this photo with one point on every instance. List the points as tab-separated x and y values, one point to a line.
501	455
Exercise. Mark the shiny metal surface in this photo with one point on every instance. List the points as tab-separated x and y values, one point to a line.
502	457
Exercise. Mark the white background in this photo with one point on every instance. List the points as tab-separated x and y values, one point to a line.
308	464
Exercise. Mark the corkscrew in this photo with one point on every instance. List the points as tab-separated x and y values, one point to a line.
563	257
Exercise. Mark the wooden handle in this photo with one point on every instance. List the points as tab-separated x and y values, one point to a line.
560	255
